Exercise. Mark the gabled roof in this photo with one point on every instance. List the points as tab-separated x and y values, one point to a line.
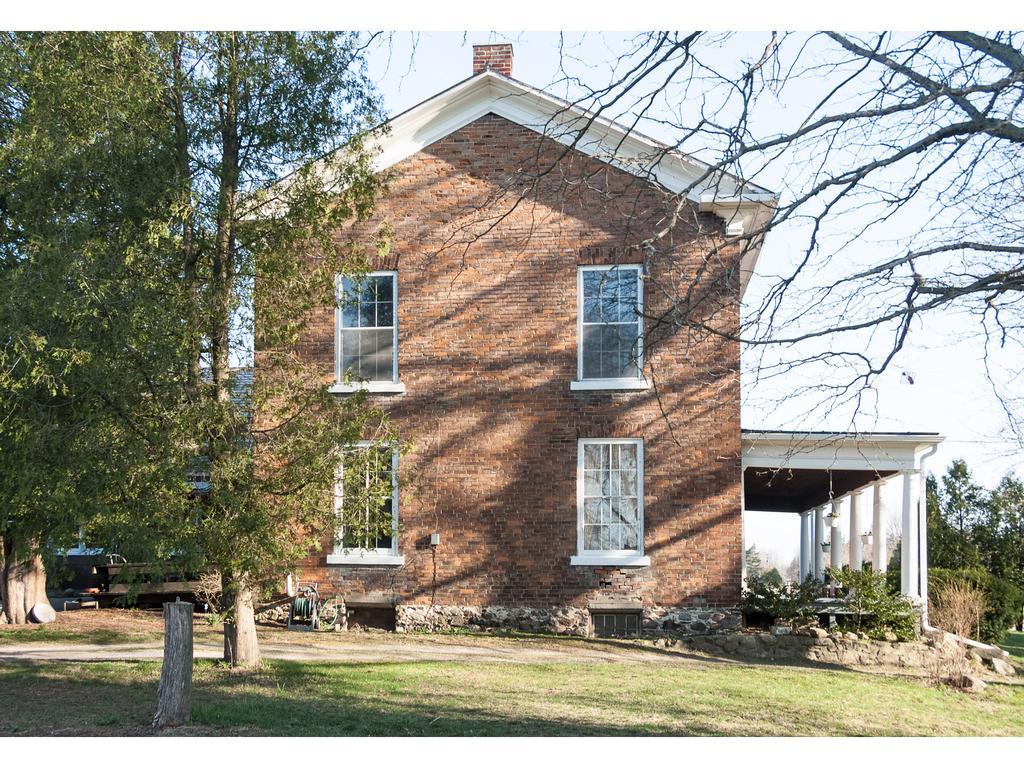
742	205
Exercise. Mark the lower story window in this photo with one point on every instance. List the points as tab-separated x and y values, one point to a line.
366	502
610	498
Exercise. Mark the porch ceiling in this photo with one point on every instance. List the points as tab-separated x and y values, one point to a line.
797	490
795	471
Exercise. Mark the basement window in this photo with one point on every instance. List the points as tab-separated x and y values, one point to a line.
616	624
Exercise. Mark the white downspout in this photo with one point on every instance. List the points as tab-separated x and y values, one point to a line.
922	537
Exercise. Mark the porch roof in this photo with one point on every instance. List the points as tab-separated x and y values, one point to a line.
792	471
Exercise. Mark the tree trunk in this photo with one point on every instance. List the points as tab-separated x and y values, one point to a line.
241	648
23	584
174	696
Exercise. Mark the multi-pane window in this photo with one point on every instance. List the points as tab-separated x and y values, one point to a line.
611	497
611	326
366	501
367	331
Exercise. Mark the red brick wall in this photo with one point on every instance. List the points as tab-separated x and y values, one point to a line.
497	57
487	349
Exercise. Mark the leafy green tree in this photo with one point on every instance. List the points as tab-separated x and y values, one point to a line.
255	256
147	252
1001	538
84	305
956	508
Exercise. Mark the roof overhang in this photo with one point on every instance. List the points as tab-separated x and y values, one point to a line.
796	471
741	205
873	451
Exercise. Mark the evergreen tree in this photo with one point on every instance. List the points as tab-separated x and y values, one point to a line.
753	562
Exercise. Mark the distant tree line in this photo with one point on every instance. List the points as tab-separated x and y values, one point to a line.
977	535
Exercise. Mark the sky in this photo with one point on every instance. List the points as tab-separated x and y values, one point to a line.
949	394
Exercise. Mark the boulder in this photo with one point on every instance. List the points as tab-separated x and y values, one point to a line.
967	683
1000	666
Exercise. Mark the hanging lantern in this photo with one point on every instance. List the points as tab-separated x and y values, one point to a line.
826	546
866	539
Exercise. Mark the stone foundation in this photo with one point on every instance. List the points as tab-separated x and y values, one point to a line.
559	620
691	621
563	620
435	618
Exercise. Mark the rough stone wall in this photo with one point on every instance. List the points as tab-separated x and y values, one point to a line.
818	646
487	265
562	620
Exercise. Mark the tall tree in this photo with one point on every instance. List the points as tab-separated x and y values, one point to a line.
147	252
255	256
84	307
956	510
1000	537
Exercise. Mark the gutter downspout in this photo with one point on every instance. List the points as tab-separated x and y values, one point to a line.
922	539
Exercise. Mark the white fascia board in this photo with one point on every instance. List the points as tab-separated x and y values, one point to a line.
743	209
603	139
880	452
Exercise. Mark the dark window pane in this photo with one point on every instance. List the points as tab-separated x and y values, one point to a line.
367	315
592	279
349	315
381	288
591	351
385	314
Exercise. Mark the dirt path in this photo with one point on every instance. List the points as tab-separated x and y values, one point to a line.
367	649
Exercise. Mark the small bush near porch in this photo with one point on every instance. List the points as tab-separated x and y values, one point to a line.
695	697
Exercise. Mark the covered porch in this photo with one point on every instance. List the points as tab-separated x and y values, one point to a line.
839	484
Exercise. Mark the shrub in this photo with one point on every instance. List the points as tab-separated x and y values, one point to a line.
957	606
768	596
879	610
1003	600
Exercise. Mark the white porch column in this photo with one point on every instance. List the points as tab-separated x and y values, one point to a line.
805	544
856	554
819	539
837	536
878	532
909	564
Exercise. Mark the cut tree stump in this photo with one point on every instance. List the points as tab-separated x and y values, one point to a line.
174	695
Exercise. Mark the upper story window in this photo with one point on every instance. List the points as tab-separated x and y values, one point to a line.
367	333
610	328
610	502
366	505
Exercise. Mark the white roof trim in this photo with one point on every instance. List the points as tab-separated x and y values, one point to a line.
743	206
879	451
603	139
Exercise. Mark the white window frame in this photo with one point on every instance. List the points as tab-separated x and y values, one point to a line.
611	557
623	382
340	386
360	556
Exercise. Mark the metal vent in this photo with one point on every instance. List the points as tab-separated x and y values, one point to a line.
617	624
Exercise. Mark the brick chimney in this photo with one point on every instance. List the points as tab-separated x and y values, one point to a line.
497	57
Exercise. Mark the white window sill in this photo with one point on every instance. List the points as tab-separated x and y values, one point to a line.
373	387
636	561
606	384
369	558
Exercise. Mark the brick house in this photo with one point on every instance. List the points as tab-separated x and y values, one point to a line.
565	478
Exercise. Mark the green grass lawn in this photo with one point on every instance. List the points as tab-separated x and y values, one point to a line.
1014	645
436	699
